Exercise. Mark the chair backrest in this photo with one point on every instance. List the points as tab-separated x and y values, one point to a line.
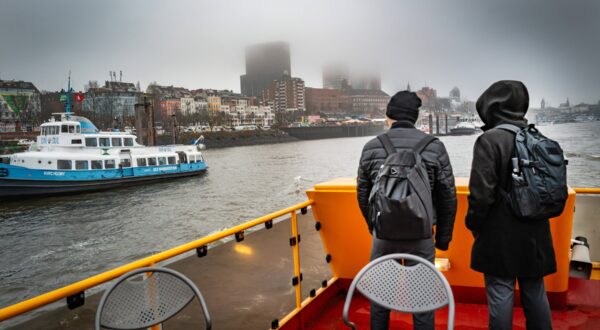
140	301
415	287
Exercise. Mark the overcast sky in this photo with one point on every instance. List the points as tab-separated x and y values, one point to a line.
552	46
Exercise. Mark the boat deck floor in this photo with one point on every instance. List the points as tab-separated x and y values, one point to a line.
467	316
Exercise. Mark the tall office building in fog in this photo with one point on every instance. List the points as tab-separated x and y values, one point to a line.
335	76
264	63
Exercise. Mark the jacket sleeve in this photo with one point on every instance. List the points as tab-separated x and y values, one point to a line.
482	184
363	187
444	198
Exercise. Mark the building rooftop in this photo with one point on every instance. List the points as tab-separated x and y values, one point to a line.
18	84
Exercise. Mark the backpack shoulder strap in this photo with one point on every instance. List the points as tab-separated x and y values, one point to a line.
509	127
424	142
387	143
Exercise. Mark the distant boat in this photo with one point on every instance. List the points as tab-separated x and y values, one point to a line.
466	127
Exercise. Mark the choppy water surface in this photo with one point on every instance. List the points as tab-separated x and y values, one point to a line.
47	243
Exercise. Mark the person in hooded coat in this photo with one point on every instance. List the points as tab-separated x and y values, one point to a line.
402	113
506	250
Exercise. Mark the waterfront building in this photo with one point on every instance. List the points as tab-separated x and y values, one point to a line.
264	63
167	99
214	103
285	94
366	101
455	94
188	105
427	96
324	100
20	105
335	76
114	99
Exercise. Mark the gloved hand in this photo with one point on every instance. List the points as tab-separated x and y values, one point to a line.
442	246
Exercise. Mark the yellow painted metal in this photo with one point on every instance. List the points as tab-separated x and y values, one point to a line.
591	191
346	238
52	296
296	253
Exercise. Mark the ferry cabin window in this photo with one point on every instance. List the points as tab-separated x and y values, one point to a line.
128	142
91	142
71	129
96	164
64	129
63	164
172	161
78	129
162	161
82	165
104	142
109	163
76	141
43	130
4	160
151	161
125	163
116	142
141	162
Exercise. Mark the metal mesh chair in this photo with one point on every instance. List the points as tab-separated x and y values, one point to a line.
136	301
411	289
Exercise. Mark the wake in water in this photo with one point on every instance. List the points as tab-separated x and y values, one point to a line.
594	157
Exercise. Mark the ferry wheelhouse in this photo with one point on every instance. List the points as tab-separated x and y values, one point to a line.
72	155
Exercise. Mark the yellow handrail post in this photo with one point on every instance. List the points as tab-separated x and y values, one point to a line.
296	252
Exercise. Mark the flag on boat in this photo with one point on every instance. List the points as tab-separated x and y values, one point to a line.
79	97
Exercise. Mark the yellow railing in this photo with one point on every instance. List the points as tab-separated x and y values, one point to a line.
590	191
81	286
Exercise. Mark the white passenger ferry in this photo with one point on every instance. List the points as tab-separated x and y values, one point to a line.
72	155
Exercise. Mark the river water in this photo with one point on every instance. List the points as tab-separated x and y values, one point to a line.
51	242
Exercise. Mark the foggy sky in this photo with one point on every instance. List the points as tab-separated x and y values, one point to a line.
552	46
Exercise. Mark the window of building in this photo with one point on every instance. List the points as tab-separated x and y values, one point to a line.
128	142
116	142
151	161
141	162
82	165
125	163
104	142
109	163
96	164
62	164
172	161
64	129
162	161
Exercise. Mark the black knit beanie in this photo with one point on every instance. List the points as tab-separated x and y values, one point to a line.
404	106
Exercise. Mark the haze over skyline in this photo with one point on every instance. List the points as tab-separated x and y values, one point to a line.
551	46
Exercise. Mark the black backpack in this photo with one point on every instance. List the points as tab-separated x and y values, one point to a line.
538	186
400	202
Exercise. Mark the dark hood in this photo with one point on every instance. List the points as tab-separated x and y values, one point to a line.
505	102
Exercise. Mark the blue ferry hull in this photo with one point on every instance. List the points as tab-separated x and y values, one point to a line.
10	188
18	181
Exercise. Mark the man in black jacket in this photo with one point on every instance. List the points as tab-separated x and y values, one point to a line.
506	249
402	112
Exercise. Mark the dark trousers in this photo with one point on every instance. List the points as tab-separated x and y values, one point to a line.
424	248
500	297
